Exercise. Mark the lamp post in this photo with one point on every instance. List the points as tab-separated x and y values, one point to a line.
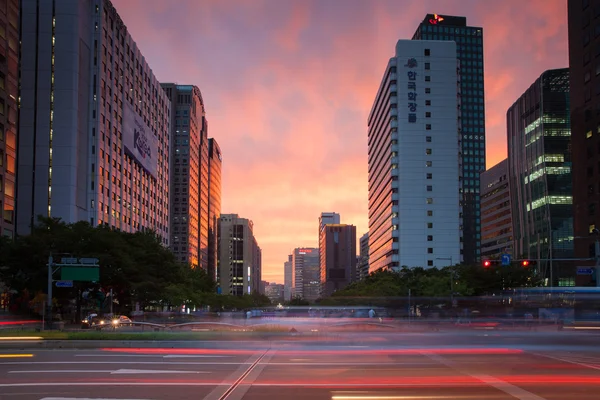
451	277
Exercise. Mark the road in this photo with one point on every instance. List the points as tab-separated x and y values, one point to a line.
458	365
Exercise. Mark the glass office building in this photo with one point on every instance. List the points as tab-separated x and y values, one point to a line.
539	170
469	51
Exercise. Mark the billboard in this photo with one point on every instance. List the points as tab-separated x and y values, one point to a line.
139	141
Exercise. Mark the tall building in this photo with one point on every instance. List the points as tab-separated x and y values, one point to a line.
306	273
414	210
539	173
94	121
215	161
496	216
338	260
240	257
324	219
362	268
584	45
288	279
189	152
469	52
9	93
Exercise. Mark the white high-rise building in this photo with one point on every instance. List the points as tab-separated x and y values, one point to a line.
414	185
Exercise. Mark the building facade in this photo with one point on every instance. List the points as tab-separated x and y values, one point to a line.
215	162
239	256
496	215
306	273
414	210
539	171
288	279
188	209
274	291
362	267
9	93
338	260
94	121
469	52
584	65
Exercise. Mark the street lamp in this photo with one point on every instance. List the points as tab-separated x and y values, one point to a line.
451	277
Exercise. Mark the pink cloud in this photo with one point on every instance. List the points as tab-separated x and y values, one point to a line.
288	87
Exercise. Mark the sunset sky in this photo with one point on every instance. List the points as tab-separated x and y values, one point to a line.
288	86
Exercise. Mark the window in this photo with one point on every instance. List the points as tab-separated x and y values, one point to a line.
587	76
430	213
429	188
428	138
427	52
429	200
427	114
9	213
428	127
428	163
428	152
427	90
430	225
427	66
429	175
10	164
588	134
430	263
427	102
427	78
430	238
430	250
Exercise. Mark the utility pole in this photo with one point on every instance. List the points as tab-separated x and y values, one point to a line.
49	299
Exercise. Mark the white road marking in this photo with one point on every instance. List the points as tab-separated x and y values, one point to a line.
81	398
155	371
499	384
121	363
110	371
193	356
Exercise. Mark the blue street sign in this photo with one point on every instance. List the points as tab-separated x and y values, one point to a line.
505	260
64	283
585	271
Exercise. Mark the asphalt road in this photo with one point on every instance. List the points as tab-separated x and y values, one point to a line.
459	365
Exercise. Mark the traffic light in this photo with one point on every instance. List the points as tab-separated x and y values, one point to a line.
528	263
487	263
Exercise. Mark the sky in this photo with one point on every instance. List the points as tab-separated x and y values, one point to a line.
288	85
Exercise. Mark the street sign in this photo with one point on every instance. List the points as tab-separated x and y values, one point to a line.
585	271
68	260
64	283
505	260
85	274
91	261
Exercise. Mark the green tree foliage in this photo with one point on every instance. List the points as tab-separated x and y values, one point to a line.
468	280
135	266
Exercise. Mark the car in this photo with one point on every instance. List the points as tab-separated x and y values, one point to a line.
93	321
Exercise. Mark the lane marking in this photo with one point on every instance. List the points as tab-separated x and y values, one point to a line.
16	355
254	372
193	356
110	371
221	393
499	384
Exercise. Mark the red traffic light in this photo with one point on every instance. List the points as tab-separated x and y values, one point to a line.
525	263
487	263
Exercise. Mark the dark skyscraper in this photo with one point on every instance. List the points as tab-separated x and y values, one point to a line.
338	258
584	65
469	49
215	161
539	175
